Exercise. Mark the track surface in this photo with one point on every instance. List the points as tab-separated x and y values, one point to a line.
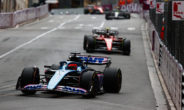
51	40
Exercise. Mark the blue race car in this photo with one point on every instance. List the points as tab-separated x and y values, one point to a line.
72	76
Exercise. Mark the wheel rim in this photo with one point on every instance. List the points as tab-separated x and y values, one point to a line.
93	86
87	45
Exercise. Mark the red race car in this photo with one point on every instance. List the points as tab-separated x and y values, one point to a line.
106	40
93	9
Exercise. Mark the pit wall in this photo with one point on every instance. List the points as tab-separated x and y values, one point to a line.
169	67
9	20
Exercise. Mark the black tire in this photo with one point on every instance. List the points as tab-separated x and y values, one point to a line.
86	11
30	75
126	47
112	80
107	17
90	44
84	42
128	16
89	81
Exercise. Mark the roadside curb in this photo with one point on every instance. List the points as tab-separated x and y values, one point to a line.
170	104
161	103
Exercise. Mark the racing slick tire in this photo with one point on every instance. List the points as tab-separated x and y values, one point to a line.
127	16
112	80
107	17
89	44
84	42
30	75
126	47
89	81
86	11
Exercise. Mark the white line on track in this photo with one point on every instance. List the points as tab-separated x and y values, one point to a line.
93	17
51	21
43	28
102	24
37	37
131	28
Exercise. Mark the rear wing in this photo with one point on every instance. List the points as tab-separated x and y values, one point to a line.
95	60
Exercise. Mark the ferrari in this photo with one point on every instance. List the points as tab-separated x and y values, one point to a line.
106	40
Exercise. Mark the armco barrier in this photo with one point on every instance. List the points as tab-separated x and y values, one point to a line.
8	20
19	17
170	68
42	10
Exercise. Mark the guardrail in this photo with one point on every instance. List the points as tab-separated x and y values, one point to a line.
171	70
8	20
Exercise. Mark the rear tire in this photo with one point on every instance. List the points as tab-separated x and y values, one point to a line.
112	80
107	17
126	47
89	81
128	16
86	11
30	75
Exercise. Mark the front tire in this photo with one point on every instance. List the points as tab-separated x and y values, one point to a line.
89	81
112	80
30	75
89	44
107	17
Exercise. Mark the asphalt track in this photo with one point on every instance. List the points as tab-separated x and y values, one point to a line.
51	40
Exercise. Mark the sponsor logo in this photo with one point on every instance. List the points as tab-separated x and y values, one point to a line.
72	89
33	87
93	59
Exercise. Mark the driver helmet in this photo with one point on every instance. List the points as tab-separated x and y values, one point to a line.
72	66
107	31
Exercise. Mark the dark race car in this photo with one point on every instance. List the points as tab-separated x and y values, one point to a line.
72	76
93	9
117	14
106	40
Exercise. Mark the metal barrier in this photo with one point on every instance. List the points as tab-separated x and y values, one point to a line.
8	20
171	70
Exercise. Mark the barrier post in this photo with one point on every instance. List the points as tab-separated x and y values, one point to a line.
153	40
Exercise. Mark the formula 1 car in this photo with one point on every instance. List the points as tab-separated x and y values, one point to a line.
72	76
106	40
93	9
117	14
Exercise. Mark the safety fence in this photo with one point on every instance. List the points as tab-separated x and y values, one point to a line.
171	70
8	20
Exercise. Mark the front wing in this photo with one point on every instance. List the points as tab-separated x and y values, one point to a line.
65	89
